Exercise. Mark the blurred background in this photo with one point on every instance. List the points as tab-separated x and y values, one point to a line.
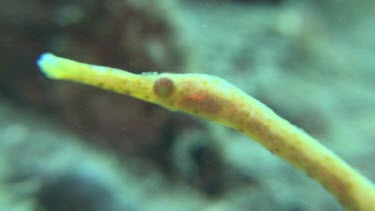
66	146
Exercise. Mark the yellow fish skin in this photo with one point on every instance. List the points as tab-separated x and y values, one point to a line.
213	98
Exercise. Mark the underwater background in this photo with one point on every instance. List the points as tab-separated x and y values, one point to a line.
66	146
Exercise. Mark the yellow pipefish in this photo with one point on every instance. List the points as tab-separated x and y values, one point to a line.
213	98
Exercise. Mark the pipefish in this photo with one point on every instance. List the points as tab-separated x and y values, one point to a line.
213	98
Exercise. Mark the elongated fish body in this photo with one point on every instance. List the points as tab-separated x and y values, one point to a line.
215	99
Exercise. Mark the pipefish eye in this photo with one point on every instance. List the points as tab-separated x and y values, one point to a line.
163	87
